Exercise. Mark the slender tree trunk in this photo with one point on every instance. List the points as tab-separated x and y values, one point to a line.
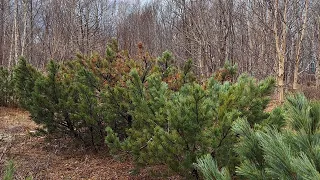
11	48
318	59
200	60
298	50
280	42
31	32
249	36
16	32
1	32
25	23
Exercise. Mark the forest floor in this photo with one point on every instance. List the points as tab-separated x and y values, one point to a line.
56	159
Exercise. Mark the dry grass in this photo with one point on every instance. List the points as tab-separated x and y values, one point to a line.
57	159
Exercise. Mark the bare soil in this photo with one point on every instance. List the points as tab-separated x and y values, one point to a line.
50	158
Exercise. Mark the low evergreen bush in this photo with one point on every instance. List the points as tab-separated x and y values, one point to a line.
175	126
288	150
7	91
24	77
82	97
147	107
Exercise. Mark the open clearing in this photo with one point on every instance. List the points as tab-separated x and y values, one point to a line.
58	158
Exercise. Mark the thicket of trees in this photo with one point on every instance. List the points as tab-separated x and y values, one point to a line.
263	37
159	113
148	107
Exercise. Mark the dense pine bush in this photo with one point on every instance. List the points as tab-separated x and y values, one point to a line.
147	107
175	126
82	97
24	76
288	150
7	90
68	98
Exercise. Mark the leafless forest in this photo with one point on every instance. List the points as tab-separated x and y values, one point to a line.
264	37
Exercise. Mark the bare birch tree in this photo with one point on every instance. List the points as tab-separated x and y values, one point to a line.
280	42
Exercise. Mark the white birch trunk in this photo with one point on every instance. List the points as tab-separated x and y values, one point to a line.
24	35
16	32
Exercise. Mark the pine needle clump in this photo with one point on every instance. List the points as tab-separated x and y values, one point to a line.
288	150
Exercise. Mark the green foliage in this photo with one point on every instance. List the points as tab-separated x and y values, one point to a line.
81	97
232	69
9	171
46	98
158	113
7	92
116	109
164	123
112	140
249	151
176	127
187	74
276	118
288	151
210	170
25	77
165	63
66	102
227	73
245	98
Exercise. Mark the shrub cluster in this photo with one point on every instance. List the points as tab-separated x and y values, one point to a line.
147	107
176	127
82	97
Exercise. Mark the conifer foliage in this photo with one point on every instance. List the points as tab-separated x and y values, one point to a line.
288	151
175	126
67	99
147	107
7	90
25	77
79	98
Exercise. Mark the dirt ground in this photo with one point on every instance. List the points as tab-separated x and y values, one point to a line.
59	158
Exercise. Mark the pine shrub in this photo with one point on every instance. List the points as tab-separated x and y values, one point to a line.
82	97
65	101
24	77
175	126
286	151
147	107
7	90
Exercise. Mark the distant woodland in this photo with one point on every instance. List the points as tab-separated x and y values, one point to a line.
264	37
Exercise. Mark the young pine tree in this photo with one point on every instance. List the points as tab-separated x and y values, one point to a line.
7	90
24	77
174	127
